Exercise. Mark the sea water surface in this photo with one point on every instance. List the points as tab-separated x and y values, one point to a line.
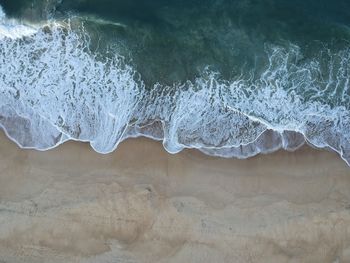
232	78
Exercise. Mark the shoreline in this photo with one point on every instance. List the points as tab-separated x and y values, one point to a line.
281	143
141	204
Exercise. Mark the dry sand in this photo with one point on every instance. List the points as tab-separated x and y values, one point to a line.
141	204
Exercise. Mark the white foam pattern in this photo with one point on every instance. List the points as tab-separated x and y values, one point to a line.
53	89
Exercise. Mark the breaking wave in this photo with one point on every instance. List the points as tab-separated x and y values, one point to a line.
54	89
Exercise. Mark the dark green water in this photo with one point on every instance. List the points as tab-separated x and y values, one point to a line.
175	40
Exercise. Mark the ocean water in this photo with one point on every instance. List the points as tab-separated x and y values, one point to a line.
229	78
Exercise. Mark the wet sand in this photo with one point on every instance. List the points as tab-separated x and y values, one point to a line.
141	204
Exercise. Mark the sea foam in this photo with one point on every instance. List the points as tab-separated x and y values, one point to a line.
54	89
10	28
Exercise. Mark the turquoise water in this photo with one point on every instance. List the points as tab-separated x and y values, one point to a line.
230	78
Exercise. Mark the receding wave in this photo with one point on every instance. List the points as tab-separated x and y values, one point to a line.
54	89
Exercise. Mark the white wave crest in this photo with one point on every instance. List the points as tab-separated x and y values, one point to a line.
10	28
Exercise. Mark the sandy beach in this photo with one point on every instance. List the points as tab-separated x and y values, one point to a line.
141	204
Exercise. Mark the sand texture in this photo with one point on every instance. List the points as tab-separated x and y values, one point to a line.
141	204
